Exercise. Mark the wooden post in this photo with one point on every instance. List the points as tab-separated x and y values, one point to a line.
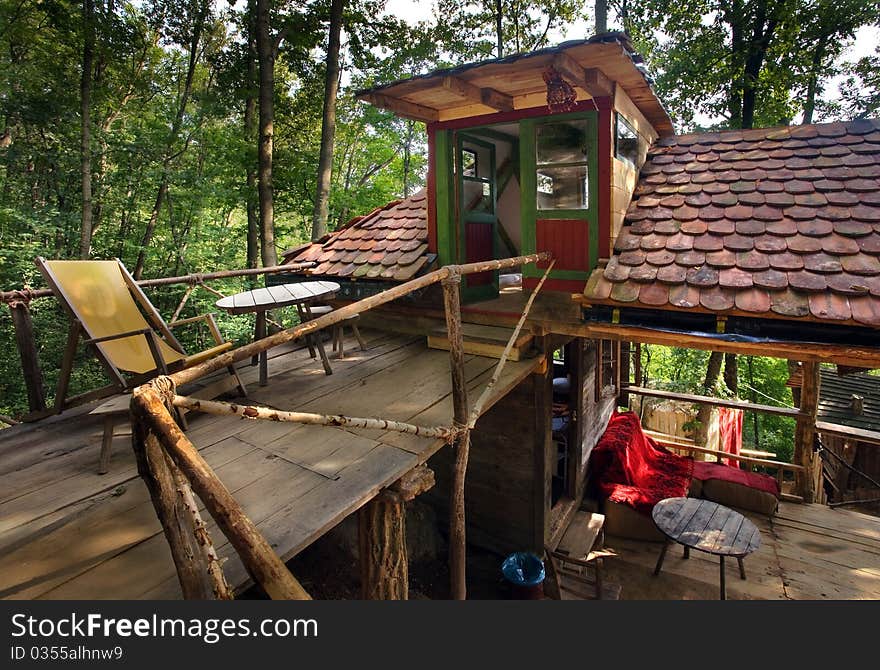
156	471
257	555
382	537
457	536
27	350
805	431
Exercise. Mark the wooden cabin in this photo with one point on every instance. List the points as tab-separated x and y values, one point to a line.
727	241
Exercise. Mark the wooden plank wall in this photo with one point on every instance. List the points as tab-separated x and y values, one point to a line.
623	174
503	492
594	415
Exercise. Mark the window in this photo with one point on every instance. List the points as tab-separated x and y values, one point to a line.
561	154
607	368
476	171
626	140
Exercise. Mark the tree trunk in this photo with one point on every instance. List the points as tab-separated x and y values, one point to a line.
85	88
601	16
730	373
250	133
195	39
713	369
813	82
266	56
382	549
499	27
328	124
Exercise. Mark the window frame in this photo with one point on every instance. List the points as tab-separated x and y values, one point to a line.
618	117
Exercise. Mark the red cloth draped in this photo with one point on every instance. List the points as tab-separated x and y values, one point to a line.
704	470
730	426
631	468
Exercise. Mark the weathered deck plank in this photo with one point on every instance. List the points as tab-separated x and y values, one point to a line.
66	532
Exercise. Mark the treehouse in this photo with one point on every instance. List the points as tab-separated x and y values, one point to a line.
563	225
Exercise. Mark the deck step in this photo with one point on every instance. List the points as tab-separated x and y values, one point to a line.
482	340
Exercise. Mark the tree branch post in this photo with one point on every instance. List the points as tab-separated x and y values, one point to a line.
457	535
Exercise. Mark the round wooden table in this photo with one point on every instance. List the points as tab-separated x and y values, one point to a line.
706	526
261	300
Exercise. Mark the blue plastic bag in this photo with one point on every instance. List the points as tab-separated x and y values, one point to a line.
523	569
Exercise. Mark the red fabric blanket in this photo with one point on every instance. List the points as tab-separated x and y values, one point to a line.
704	470
631	468
730	426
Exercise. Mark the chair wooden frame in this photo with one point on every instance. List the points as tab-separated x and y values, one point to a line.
150	334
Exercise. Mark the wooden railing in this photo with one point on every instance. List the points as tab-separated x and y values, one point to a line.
173	468
805	469
19	305
780	467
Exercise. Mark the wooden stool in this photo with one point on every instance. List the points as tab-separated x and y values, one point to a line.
338	334
114	411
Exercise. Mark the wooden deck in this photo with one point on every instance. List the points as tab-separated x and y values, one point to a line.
68	533
808	552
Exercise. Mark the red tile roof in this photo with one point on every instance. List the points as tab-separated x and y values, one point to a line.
389	243
778	222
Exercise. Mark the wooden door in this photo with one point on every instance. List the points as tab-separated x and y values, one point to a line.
478	220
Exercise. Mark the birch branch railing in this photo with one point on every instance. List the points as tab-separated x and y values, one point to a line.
19	306
169	462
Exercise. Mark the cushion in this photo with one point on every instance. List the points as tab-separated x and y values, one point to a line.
731	494
733	487
623	521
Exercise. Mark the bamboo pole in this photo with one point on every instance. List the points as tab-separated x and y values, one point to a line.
257	555
457	524
270	414
342	313
496	375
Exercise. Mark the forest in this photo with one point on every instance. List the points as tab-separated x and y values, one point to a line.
195	135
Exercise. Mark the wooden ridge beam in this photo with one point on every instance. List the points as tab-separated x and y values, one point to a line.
592	80
484	96
409	110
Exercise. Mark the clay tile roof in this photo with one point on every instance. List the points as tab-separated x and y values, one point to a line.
766	222
389	243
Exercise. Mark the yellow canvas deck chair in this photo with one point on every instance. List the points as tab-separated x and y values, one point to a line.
102	299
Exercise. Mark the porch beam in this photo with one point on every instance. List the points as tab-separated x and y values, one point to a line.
591	79
382	537
805	431
867	357
483	96
409	110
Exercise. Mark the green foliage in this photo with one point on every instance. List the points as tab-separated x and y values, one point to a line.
761	380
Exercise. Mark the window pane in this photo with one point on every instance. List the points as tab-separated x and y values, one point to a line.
469	163
627	141
562	142
563	187
477	196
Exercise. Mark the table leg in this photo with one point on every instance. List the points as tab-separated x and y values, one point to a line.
304	316
742	568
660	558
264	356
106	443
319	343
723	590
687	552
